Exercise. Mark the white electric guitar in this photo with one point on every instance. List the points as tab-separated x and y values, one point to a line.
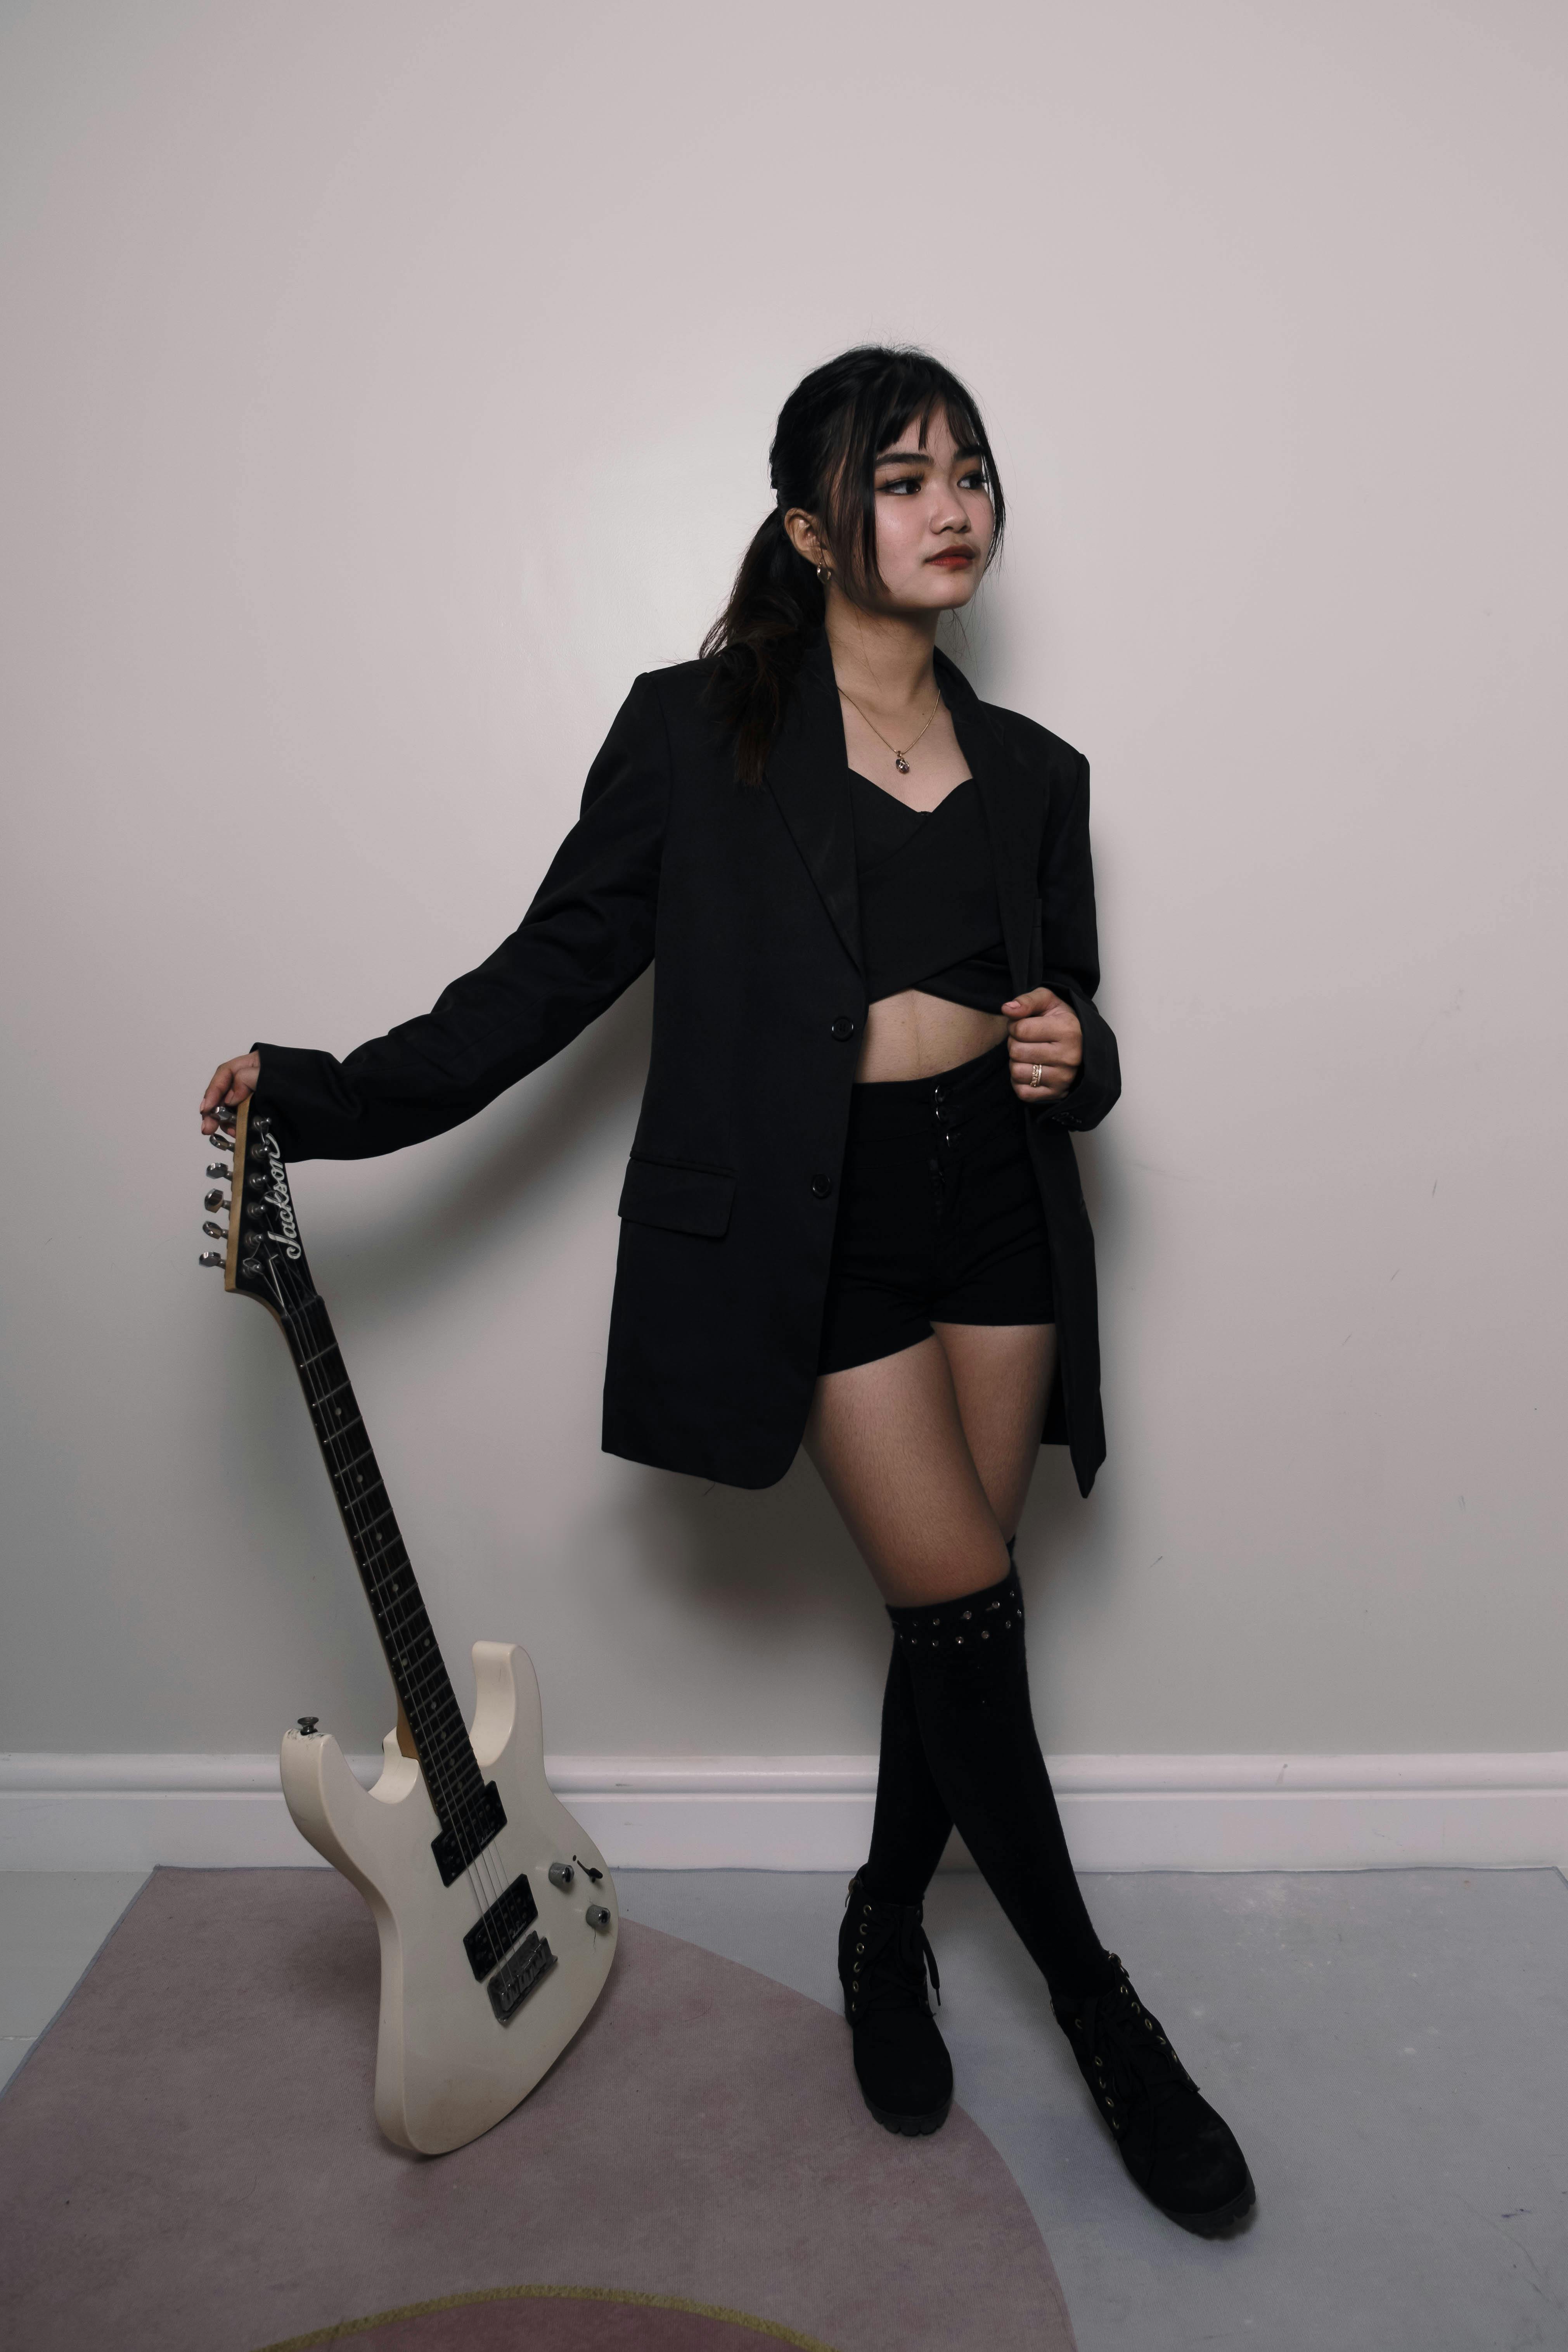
496	1912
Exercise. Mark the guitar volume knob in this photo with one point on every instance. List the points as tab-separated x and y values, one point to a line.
562	1874
597	1916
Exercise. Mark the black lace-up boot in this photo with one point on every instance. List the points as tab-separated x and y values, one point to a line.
901	2059
1183	2154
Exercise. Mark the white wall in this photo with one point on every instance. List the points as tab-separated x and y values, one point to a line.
387	384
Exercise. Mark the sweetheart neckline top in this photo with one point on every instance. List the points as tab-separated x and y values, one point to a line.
903	803
928	914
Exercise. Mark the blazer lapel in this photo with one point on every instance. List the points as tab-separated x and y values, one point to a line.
1014	811
807	774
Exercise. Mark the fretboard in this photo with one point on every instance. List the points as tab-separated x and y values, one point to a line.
452	1775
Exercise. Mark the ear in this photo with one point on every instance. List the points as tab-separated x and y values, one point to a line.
805	537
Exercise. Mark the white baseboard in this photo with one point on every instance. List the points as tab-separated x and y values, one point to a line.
814	1812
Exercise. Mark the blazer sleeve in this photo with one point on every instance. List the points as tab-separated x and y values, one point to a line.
585	938
1072	953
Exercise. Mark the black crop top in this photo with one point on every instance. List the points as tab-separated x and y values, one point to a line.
929	918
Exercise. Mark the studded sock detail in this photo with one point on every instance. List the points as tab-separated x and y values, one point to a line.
996	1614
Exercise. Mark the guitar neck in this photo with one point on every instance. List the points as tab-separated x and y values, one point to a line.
413	1654
266	1259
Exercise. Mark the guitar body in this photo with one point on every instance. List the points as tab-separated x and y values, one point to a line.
446	2068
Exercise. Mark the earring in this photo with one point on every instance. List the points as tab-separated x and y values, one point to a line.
823	575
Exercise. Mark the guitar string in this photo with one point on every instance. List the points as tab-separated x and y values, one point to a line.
440	1777
297	1304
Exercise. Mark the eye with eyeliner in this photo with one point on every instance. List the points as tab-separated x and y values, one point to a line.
971	481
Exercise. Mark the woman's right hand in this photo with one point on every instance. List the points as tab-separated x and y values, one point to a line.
230	1084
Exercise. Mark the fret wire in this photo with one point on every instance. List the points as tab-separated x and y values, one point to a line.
376	1521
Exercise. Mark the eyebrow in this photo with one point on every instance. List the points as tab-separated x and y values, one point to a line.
922	456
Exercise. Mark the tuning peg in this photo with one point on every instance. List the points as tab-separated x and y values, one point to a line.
210	1257
220	1142
215	1200
218	1232
220	1167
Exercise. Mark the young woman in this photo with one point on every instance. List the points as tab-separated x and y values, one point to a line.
852	1213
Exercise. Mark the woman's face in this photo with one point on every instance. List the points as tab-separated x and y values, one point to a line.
934	522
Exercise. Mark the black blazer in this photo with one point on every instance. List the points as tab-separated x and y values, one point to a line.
745	900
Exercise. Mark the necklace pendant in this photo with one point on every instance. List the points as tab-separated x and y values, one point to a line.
902	764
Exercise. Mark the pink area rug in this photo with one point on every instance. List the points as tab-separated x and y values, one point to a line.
189	2163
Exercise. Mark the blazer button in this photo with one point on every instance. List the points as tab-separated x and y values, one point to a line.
842	1028
822	1186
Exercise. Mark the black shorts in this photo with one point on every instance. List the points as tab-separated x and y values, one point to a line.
939	1214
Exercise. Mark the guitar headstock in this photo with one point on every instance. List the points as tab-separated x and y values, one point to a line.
262	1256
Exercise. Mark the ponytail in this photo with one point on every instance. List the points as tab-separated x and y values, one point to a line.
757	641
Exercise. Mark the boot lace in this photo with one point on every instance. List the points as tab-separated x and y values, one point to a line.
1125	2054
889	1958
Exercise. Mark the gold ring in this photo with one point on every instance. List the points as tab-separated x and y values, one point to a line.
1037	1074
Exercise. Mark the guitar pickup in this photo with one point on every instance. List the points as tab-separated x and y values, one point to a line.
466	1838
490	1938
510	1986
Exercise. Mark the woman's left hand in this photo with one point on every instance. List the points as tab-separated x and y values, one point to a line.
1046	1034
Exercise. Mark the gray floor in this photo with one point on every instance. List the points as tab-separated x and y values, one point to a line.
1390	2046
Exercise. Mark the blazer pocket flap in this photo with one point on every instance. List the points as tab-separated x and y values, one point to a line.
671	1193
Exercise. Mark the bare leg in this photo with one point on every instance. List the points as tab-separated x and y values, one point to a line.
928	1454
1001	1376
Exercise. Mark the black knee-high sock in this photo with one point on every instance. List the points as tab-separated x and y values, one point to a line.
969	1684
911	1823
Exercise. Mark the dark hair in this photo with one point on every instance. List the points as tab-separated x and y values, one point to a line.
823	458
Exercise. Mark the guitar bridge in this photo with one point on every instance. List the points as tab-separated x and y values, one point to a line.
510	1986
490	1938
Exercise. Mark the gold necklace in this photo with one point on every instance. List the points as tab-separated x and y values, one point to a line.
899	762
